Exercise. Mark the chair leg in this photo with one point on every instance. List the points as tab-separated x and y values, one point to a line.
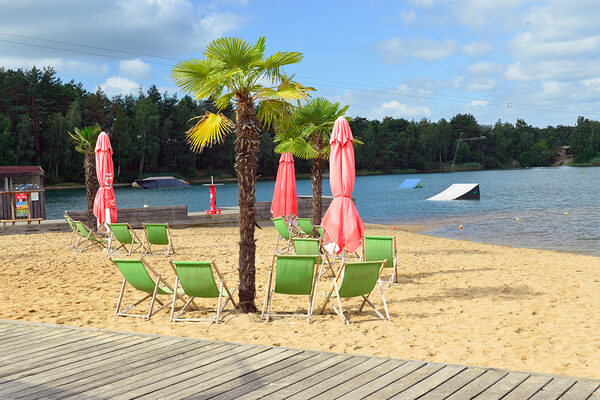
121	296
154	297
385	307
339	301
267	290
174	297
269	305
374	308
219	302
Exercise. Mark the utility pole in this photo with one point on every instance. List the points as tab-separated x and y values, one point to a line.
460	139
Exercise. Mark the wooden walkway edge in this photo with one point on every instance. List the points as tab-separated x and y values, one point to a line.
57	362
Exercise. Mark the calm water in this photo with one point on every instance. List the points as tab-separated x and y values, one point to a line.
539	197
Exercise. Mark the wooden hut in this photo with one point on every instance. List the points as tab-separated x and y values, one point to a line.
22	194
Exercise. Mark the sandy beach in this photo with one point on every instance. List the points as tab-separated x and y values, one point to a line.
457	301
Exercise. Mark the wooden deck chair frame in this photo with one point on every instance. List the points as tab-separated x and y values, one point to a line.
220	305
136	243
266	310
152	296
281	221
324	257
304	223
147	245
74	231
394	276
336	289
90	237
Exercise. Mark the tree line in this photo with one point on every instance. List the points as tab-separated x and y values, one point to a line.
148	135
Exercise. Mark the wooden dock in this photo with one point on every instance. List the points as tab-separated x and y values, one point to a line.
55	362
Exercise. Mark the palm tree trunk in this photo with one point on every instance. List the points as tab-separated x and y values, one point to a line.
317	183
247	147
91	187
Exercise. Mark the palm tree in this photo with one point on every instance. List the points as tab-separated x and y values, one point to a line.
236	72
307	136
84	140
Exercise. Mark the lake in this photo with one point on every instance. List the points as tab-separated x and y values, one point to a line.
539	197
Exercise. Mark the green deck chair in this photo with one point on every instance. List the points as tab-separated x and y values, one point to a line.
284	231
379	248
313	247
358	279
157	234
135	272
88	236
197	279
295	275
321	231
74	231
306	226
124	234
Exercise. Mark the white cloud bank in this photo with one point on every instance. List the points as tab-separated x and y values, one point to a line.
398	51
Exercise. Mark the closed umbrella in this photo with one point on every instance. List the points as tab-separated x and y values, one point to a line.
105	206
342	223
285	202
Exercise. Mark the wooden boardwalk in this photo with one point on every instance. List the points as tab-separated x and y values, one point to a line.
55	362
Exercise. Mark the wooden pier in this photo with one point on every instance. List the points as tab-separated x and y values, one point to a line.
55	362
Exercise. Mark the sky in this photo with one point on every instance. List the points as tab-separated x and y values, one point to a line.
499	60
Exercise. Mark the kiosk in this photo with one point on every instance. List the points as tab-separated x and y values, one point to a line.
22	194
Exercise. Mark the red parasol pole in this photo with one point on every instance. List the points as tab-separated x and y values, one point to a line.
213	197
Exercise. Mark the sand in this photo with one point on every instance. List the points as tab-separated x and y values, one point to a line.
457	301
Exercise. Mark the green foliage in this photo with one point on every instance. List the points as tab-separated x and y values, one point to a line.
84	139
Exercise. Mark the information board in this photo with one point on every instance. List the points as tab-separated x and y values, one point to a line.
21	205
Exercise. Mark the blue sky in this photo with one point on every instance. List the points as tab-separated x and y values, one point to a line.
498	60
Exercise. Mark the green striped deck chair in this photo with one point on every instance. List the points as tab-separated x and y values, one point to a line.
135	272
157	234
294	275
88	236
124	235
197	279
306	226
313	247
379	248
74	231
357	279
284	231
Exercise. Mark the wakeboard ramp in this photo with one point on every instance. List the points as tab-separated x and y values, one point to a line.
412	183
459	191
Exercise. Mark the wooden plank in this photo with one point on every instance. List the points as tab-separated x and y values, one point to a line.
58	375
554	390
246	383
384	380
478	385
45	347
338	379
13	336
454	384
119	366
298	374
528	387
82	347
340	368
580	390
595	395
430	383
405	382
363	379
510	381
189	362
206	377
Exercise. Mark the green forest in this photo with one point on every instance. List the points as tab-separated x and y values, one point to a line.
148	136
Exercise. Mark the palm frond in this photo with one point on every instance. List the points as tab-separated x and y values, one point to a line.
298	147
235	52
85	138
210	129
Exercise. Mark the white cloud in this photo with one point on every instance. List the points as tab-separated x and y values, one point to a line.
477	49
484	68
398	50
479	103
116	85
479	85
486	14
408	17
566	70
135	69
59	64
400	110
161	28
